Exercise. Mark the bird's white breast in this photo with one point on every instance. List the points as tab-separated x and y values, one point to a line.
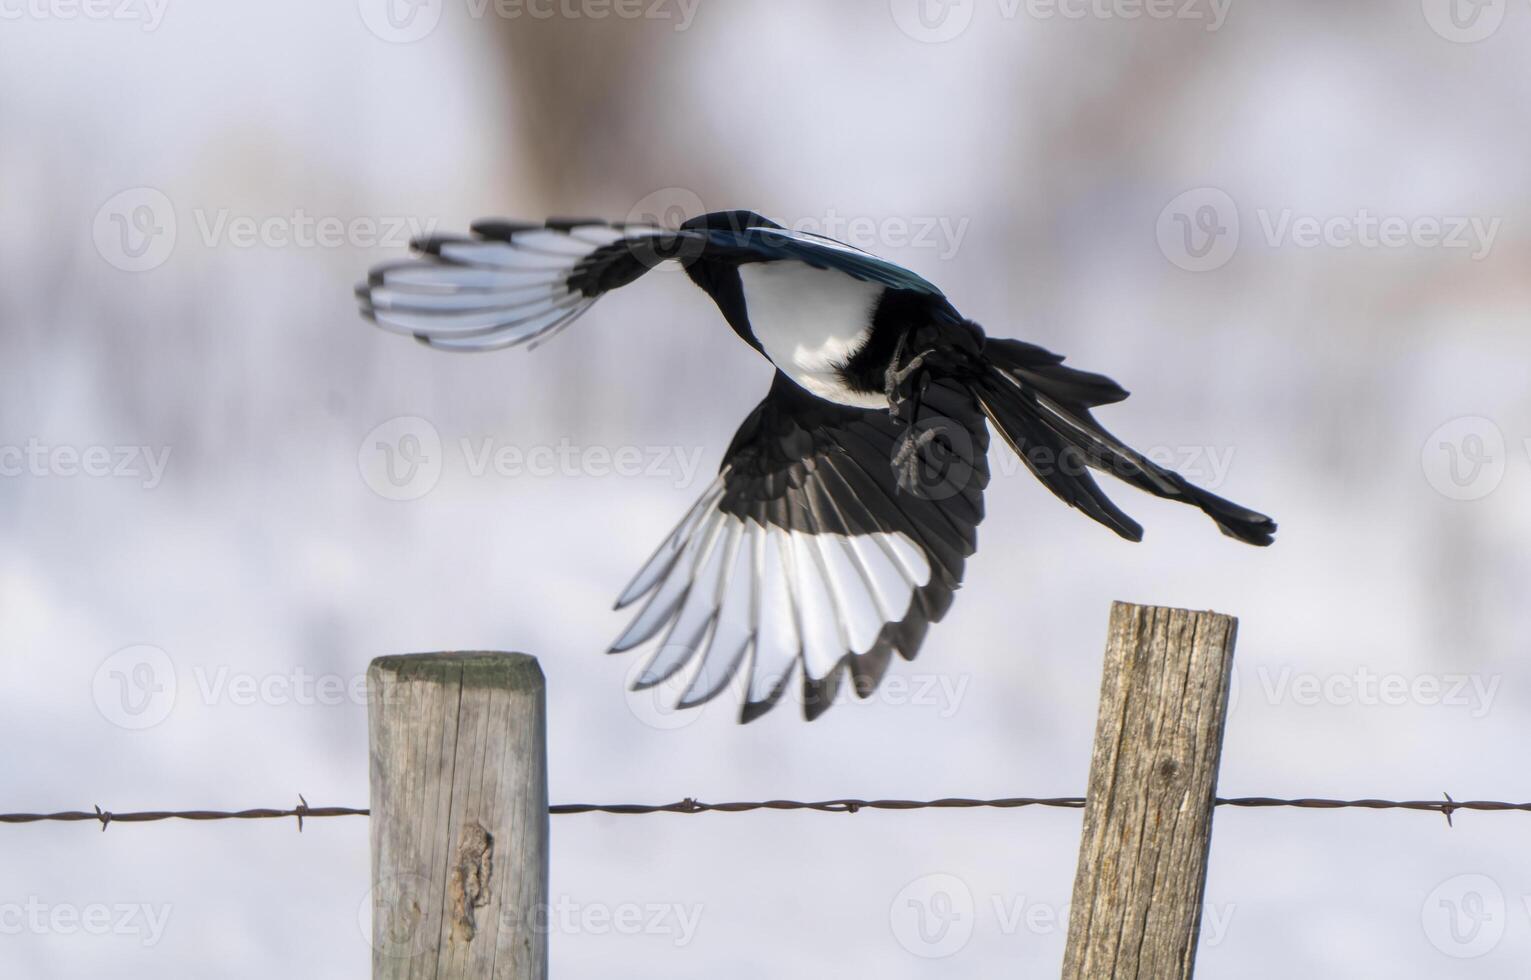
809	322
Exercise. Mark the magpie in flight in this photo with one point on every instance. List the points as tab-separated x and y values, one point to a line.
836	530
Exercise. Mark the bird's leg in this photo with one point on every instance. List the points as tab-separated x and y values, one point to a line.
904	398
894	379
914	462
897	376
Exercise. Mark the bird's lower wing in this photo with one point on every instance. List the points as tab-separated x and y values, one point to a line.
509	283
815	551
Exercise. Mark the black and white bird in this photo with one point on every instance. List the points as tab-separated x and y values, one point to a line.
837	528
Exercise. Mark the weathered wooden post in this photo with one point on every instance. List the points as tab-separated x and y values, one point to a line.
1153	782
459	816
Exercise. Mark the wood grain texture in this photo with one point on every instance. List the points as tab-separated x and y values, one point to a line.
459	816
1153	781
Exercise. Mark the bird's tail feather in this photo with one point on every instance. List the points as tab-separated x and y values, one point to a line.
1042	410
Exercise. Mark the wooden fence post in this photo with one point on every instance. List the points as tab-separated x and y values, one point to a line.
459	816
1153	782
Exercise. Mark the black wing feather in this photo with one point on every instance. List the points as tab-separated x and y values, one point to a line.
803	466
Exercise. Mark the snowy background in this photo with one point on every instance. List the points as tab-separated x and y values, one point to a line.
1298	232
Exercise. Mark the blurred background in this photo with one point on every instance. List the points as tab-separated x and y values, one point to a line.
1298	232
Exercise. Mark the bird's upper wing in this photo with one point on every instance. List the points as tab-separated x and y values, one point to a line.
810	549
513	283
510	283
784	244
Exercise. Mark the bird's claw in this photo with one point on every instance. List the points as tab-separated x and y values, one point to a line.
906	385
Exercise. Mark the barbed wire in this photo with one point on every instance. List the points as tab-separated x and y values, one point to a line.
1446	807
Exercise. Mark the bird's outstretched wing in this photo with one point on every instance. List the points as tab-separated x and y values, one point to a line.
811	553
510	283
513	283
